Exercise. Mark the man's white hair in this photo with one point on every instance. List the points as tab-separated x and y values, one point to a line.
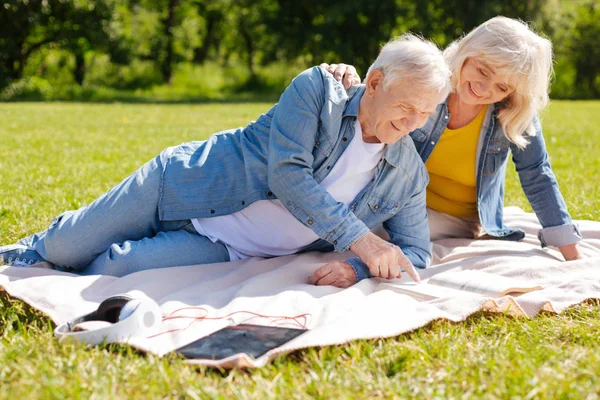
413	59
512	48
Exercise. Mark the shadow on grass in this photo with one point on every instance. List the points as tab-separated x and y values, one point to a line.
16	315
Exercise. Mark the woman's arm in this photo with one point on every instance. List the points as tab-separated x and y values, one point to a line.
541	188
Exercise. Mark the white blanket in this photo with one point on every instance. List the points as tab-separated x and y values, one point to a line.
277	287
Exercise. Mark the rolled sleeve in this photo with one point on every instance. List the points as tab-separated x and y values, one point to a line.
558	236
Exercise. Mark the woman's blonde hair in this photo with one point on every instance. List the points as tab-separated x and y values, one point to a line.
512	48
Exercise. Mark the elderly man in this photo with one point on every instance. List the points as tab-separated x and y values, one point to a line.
315	173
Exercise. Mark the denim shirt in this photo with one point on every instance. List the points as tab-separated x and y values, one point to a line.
285	154
533	166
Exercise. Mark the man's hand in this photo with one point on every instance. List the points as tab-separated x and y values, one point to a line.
336	273
339	71
571	252
383	258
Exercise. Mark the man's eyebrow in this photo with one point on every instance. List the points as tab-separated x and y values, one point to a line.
415	107
407	103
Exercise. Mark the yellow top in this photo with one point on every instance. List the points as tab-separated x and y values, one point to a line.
452	171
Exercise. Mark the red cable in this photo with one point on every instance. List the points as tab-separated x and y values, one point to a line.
274	318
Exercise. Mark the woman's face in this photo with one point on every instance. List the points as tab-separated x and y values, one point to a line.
480	83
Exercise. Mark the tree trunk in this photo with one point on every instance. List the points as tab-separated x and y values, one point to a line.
166	67
212	20
79	72
249	44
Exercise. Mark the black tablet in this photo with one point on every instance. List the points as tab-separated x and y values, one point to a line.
253	340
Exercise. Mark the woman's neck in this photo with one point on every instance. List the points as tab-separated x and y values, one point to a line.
461	113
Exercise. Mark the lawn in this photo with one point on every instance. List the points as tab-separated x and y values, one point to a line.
60	156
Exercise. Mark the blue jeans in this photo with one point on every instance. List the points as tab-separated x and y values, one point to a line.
120	233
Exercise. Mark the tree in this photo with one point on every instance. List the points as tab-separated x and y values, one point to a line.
28	25
585	50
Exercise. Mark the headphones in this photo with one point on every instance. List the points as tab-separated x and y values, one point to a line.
129	315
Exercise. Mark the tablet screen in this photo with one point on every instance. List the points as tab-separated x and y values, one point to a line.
253	340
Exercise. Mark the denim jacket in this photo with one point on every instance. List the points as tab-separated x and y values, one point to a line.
285	154
533	166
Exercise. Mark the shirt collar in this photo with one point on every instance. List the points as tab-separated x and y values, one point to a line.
355	93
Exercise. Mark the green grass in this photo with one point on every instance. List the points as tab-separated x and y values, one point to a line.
61	156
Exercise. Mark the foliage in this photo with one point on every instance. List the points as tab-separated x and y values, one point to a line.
145	41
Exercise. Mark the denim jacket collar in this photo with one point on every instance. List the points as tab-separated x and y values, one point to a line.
355	93
393	152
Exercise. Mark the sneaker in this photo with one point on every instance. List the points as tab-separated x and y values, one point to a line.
18	255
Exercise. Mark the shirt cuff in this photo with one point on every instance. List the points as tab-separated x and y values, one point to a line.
558	236
348	233
360	268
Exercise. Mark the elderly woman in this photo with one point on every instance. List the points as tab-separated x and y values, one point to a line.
316	172
500	77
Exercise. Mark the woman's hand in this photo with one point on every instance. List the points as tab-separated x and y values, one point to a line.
336	273
383	258
339	71
571	252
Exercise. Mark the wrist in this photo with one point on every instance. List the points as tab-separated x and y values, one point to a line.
357	246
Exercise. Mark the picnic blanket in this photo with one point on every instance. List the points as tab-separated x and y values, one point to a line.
273	291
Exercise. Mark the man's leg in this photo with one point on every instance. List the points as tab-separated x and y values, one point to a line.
129	211
166	249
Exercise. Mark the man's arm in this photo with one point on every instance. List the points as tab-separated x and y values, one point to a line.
408	230
290	164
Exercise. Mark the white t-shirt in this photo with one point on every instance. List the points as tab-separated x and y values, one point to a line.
266	228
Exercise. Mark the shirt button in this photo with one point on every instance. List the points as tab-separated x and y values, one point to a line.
328	167
345	139
376	207
432	142
309	222
335	242
318	143
445	117
212	211
243	203
269	193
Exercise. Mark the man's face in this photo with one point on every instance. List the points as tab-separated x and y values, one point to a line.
400	109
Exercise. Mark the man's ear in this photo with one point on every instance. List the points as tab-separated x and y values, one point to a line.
374	82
